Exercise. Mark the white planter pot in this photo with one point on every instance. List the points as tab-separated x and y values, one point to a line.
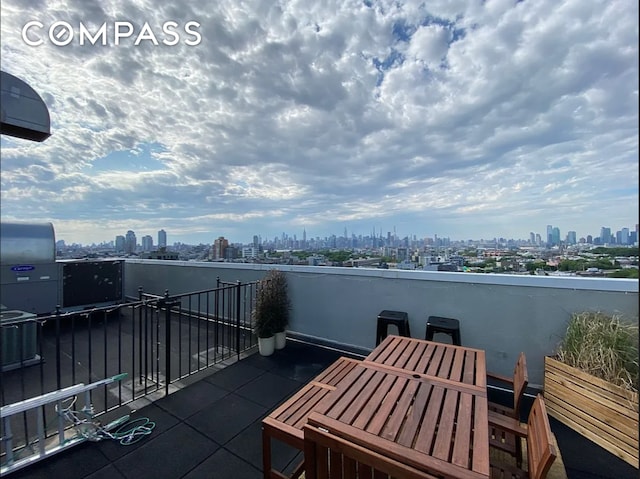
281	339
266	346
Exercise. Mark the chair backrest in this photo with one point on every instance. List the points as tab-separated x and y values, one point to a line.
541	451
328	455
520	382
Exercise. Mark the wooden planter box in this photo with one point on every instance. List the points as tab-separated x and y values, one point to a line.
602	412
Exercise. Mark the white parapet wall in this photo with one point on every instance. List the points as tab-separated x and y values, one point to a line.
502	314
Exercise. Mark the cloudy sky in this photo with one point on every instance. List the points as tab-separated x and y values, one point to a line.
465	119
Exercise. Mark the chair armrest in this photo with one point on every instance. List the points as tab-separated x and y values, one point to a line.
507	424
499	377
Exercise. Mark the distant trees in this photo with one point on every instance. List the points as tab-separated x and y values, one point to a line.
617	251
624	273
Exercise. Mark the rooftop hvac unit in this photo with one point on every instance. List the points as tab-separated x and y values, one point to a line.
19	337
28	271
23	114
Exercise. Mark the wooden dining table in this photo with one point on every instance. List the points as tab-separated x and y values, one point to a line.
420	403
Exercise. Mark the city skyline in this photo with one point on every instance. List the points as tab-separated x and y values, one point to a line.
160	237
467	121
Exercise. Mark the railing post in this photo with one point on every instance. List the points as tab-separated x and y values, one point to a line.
58	372
238	301
140	291
167	340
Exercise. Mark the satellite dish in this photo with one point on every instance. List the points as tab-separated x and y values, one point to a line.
23	114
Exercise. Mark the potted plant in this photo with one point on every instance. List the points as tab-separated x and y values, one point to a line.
271	314
591	384
279	304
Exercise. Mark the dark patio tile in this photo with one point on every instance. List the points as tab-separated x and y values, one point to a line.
269	389
77	462
169	455
227	417
248	446
266	363
109	472
163	422
192	399
235	376
222	465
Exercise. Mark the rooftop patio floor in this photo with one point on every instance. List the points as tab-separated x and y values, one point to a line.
211	428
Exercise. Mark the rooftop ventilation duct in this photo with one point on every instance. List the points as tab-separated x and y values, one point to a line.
23	114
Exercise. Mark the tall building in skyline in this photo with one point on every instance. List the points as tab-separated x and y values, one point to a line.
130	242
219	247
571	237
605	235
119	244
162	239
147	243
624	236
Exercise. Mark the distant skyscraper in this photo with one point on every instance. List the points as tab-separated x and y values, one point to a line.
147	243
624	236
538	239
549	237
571	237
130	242
219	247
605	235
555	236
162	239
589	239
120	244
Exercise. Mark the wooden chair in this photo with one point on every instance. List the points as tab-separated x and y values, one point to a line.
501	439
541	451
329	456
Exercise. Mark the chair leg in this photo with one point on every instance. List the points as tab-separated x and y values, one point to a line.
381	332
429	334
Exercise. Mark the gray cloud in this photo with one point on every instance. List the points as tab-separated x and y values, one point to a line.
458	119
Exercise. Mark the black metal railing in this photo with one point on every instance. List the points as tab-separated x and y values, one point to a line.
156	339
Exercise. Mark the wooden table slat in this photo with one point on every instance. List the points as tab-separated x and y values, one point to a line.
372	396
373	406
426	358
299	419
380	421
418	353
336	372
426	435
469	367
446	366
442	446
362	377
458	365
382	411
408	435
396	350
480	460
462	443
396	420
434	364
